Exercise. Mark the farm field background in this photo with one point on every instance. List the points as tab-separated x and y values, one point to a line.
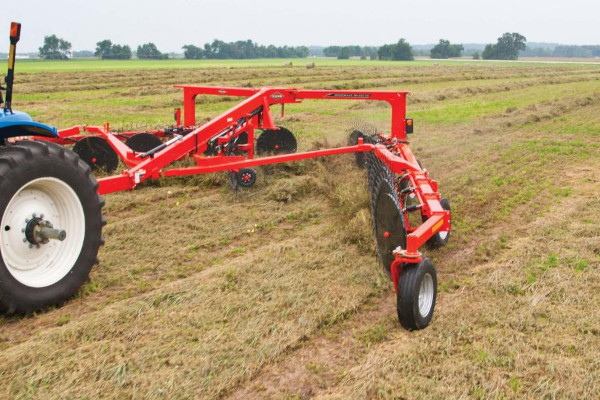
277	292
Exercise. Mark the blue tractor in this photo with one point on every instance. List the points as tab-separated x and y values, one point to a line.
50	212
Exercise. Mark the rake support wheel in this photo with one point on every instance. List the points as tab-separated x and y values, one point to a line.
417	291
245	178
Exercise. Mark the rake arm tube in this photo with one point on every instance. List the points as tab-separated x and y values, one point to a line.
248	163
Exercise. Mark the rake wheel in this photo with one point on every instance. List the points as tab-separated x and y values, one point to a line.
276	141
143	142
97	153
388	221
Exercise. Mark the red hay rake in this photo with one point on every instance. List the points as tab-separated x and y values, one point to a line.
398	184
399	187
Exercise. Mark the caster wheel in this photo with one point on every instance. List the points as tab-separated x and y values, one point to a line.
244	178
417	291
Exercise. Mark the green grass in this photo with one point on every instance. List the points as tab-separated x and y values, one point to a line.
36	66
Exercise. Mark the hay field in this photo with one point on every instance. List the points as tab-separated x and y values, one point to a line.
277	293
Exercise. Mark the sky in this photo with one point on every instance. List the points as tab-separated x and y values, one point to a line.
173	23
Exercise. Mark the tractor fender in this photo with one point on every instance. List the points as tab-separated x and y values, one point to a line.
17	123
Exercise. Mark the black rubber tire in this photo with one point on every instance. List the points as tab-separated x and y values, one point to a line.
409	288
245	178
20	164
359	158
440	240
143	142
276	141
97	153
388	217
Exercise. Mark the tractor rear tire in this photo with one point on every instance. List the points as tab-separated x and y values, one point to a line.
43	184
417	291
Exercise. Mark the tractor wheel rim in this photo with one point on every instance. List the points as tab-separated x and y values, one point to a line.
44	264
426	295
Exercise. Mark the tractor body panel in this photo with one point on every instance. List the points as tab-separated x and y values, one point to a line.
17	123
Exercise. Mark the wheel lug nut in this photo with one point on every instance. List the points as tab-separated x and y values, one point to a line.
30	245
24	240
41	215
34	215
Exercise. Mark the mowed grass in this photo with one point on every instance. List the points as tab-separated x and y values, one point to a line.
76	65
277	293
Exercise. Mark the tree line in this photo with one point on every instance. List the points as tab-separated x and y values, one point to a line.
345	52
55	48
508	47
566	51
242	49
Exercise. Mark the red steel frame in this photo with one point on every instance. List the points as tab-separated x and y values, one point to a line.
254	113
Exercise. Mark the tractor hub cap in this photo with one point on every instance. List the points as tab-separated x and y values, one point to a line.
33	251
39	231
426	295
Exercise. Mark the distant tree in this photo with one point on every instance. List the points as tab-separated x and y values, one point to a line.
507	48
192	52
385	52
476	55
149	51
396	52
446	50
119	52
344	53
55	48
103	48
332	51
108	51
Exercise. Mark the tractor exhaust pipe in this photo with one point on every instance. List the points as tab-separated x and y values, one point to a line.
15	35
